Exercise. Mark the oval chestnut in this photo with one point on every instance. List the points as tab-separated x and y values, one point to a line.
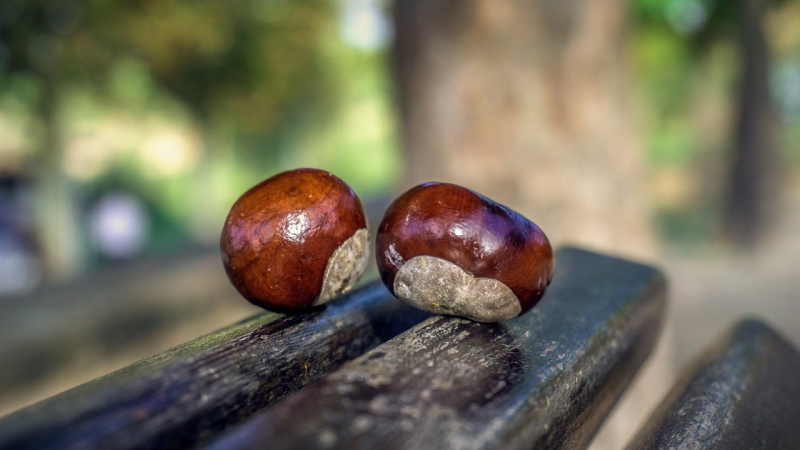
295	240
448	250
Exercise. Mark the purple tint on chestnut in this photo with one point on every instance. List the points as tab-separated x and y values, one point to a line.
480	236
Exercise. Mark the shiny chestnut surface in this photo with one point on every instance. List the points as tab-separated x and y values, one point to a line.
482	237
280	235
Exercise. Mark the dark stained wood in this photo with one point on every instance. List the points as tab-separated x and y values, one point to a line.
280	234
189	394
480	236
743	393
111	314
545	380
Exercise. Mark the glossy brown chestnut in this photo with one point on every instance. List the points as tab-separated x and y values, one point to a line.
448	250
295	240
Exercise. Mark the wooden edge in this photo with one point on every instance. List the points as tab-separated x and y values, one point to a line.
189	394
743	392
545	380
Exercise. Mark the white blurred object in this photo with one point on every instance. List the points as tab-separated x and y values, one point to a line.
119	225
19	270
365	24
687	16
786	83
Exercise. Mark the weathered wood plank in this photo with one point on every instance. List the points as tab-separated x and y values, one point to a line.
743	393
109	315
187	395
546	379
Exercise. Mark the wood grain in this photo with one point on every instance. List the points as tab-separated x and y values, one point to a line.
190	394
545	380
742	393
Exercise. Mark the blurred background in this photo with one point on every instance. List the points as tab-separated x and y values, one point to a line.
666	131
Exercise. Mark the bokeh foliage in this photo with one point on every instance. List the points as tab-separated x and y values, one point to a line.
188	103
687	69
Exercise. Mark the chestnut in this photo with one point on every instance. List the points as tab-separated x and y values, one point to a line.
448	250
295	240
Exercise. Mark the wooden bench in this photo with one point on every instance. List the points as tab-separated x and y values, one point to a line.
742	393
368	372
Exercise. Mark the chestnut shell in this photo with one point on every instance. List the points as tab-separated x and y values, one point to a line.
279	236
482	237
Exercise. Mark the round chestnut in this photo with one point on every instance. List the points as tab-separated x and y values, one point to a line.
295	240
448	250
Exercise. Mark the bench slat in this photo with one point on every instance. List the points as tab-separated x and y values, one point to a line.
743	393
191	393
547	378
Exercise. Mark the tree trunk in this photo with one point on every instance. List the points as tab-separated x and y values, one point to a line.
525	102
57	216
755	177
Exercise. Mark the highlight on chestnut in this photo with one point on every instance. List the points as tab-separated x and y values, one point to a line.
295	240
448	250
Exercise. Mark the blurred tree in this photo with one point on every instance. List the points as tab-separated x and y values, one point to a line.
752	191
32	35
250	71
526	103
247	65
755	176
